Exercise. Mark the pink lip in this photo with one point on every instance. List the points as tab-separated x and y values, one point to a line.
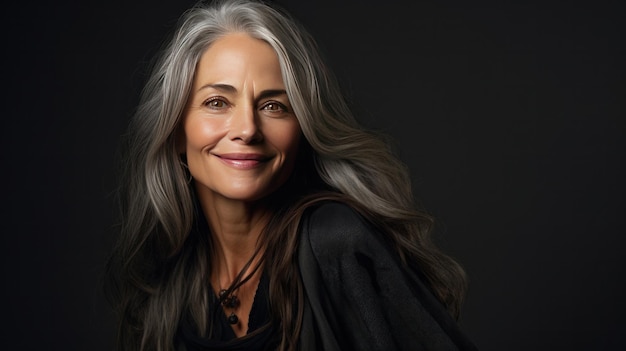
243	160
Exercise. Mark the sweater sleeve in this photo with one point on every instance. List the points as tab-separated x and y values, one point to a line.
359	297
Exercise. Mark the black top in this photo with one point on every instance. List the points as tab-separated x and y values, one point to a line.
358	296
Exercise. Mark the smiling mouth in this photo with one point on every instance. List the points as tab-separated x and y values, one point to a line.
243	161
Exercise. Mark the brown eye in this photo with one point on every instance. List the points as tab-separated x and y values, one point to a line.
215	103
274	106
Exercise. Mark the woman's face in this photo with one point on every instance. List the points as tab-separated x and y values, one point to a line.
240	134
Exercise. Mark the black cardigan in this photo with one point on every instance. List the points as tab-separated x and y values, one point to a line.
359	296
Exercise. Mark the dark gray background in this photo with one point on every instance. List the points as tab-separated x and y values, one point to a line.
510	116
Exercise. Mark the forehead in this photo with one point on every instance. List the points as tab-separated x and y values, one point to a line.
236	55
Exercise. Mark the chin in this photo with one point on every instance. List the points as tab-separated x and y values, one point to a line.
248	195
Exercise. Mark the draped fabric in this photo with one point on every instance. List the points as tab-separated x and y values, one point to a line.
359	296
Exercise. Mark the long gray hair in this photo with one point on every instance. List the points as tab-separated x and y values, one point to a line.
158	275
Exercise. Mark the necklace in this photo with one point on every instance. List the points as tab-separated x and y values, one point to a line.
230	301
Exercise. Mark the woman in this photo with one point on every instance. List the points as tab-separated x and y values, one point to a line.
258	215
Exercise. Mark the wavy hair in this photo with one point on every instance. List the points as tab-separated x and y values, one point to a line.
159	268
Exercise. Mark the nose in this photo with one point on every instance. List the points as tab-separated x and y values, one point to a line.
244	126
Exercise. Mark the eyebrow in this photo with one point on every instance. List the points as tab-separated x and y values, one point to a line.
231	89
221	87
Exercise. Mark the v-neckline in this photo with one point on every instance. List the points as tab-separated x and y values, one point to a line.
259	312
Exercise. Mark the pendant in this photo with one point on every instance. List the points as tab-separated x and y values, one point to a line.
233	319
230	302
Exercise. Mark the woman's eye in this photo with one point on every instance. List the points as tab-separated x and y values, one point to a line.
215	103
274	106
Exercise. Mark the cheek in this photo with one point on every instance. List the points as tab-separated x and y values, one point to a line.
288	140
199	134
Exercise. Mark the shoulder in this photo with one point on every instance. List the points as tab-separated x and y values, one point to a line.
334	228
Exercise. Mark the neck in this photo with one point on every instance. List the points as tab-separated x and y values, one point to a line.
235	229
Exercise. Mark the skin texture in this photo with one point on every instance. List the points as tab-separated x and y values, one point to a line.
241	140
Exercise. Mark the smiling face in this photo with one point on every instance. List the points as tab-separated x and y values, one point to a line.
240	134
